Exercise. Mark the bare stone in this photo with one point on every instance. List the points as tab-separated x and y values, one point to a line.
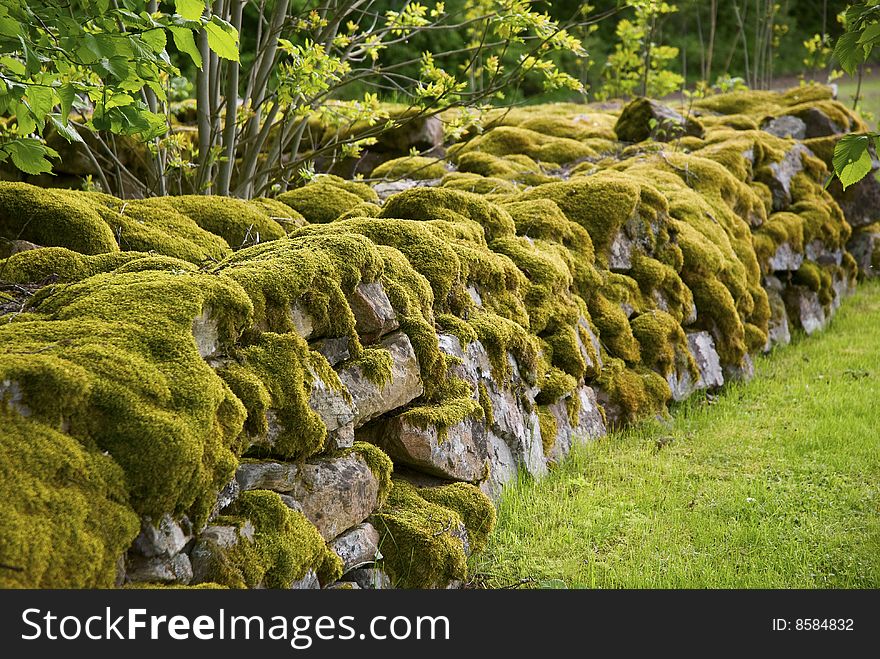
166	539
459	455
502	467
204	330
645	118
10	247
786	126
334	406
334	350
742	372
620	255
336	493
308	582
372	310
12	396
818	124
779	175
588	425
865	249
357	547
593	364
778	331
785	258
302	321
804	309
702	348
370	578
386	189
859	202
277	476
159	569
370	400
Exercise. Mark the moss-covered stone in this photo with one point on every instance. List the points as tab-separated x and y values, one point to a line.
112	361
509	140
637	393
450	205
239	223
273	378
280	546
52	218
64	511
320	201
414	167
419	530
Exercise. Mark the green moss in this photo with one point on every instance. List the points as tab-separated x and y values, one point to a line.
580	127
494	188
273	378
817	279
638	393
601	204
486	404
363	209
549	428
474	508
239	223
780	228
457	327
379	463
313	272
429	254
445	414
51	218
37	265
284	548
655	279
320	202
418	538
556	384
375	364
615	332
413	167
508	140
64	513
501	337
450	205
663	343
112	360
279	212
146	226
516	167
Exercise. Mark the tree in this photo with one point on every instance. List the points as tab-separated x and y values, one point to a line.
267	108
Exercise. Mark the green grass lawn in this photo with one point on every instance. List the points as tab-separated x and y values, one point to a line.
773	484
869	103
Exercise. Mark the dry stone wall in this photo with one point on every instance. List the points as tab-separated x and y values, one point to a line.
329	389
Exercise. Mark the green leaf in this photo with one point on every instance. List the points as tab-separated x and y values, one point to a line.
191	10
852	160
13	65
186	43
29	155
66	94
155	39
41	100
870	34
64	129
222	39
849	52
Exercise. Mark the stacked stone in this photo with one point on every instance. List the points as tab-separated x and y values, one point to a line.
570	270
